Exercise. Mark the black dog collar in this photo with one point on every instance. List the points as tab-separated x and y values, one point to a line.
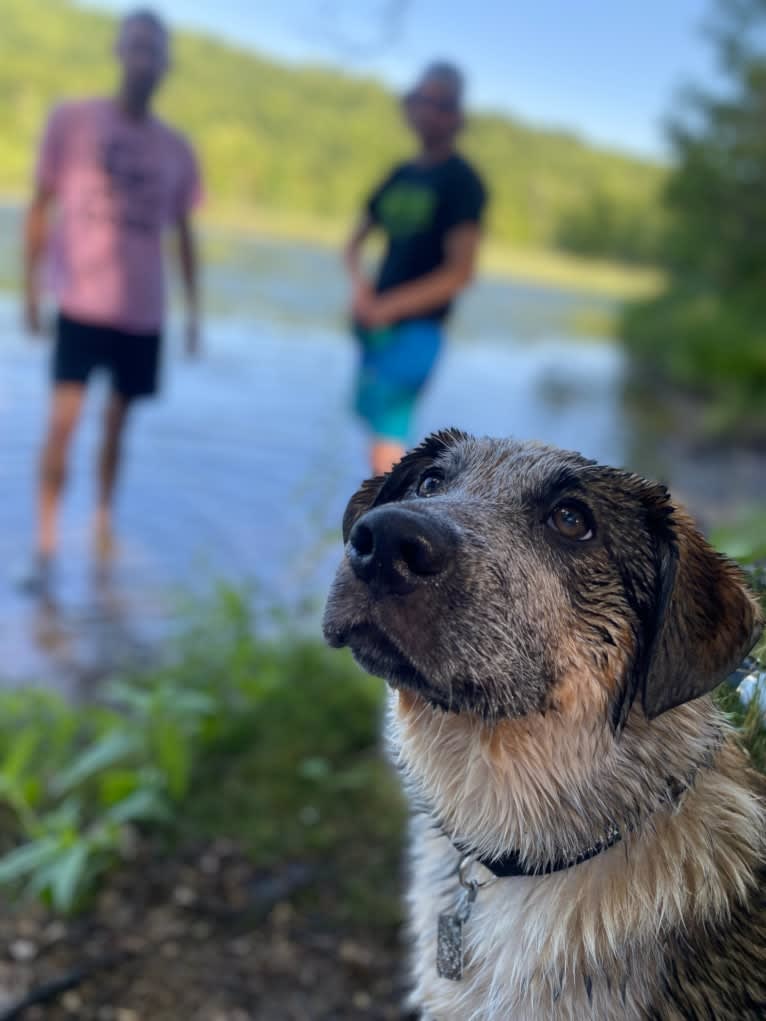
512	864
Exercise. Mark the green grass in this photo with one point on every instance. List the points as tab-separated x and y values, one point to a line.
749	720
573	272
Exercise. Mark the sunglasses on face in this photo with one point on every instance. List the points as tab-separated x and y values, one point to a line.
432	102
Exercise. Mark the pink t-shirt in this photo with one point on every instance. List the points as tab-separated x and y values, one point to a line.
118	182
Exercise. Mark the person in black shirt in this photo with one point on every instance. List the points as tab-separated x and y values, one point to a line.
430	210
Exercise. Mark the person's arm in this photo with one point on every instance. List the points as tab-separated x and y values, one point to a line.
36	226
362	289
352	252
421	296
189	265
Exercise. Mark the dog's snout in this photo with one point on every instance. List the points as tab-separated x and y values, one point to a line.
395	549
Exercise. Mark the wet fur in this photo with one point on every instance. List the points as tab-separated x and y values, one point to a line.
541	693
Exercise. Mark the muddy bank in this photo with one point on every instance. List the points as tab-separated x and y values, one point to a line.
200	935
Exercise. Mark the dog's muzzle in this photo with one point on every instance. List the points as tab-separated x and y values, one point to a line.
394	549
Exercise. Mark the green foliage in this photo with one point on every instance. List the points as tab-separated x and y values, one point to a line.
71	780
745	540
717	194
749	721
711	344
274	743
602	225
302	139
707	331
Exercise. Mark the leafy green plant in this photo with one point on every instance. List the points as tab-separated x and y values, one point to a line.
286	727
71	781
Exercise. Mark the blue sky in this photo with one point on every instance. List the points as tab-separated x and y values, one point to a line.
607	69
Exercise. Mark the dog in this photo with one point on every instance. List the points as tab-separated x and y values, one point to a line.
587	837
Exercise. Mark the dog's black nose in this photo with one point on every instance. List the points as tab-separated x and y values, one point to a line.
394	549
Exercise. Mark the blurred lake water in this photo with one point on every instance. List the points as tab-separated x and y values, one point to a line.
241	469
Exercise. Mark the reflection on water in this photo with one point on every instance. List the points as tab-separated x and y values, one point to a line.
242	470
79	645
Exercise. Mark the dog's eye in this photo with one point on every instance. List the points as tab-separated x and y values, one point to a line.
430	483
571	522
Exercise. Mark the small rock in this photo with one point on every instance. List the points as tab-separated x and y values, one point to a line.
71	1002
54	932
126	1014
354	953
281	914
184	895
23	950
209	864
362	1000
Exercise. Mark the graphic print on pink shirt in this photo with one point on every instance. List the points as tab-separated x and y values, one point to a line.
118	183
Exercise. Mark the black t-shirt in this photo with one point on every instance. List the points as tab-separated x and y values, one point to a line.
417	206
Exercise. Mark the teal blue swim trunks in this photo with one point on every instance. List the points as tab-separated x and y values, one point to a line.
395	363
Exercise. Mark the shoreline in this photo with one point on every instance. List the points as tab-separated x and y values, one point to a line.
499	260
547	267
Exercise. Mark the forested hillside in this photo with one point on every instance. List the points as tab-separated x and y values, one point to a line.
311	141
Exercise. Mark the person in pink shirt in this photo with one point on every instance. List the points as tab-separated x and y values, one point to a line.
111	178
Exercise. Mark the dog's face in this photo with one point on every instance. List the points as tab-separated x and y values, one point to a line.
489	575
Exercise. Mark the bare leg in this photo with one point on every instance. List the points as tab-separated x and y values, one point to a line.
108	470
384	455
66	406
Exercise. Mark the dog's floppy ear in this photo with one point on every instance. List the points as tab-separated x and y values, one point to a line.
393	485
705	620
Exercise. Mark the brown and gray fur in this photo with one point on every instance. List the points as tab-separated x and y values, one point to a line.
543	689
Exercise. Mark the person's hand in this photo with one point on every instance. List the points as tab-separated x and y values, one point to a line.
362	293
32	318
192	337
368	308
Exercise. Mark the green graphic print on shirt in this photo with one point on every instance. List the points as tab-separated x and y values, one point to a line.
406	208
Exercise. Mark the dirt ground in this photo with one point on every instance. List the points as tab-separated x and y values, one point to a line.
199	936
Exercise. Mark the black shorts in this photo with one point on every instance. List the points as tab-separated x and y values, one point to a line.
131	359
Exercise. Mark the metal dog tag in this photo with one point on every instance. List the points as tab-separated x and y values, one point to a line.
449	941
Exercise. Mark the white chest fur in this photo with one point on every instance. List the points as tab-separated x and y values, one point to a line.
517	963
589	942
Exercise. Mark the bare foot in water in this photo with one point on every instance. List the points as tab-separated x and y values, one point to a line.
104	542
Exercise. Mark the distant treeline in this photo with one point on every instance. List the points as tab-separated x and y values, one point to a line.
312	141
